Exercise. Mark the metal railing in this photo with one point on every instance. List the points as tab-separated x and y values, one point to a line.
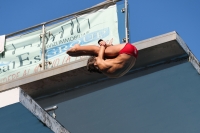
98	6
59	20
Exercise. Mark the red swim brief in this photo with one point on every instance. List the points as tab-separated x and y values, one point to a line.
130	50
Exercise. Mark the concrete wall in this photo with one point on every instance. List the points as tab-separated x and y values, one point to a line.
160	99
16	118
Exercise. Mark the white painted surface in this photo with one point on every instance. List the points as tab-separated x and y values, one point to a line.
41	114
9	97
2	42
156	40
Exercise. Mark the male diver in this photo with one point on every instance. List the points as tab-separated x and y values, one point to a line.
112	60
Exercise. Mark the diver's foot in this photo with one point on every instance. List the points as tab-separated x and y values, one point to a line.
74	50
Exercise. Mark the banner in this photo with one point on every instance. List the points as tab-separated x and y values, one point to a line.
23	53
2	42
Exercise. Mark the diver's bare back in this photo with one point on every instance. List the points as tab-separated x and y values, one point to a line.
121	64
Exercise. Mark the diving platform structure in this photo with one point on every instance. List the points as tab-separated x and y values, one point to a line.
152	51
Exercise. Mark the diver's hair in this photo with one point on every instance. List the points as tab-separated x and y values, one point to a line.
100	41
90	65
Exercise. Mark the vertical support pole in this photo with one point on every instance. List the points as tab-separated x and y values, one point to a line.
43	47
126	21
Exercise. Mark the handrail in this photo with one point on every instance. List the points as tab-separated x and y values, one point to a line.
100	5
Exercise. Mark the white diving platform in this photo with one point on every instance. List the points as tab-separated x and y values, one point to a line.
65	77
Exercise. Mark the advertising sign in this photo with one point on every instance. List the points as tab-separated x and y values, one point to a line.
23	53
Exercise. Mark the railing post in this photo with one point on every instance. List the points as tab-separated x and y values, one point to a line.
126	21
43	47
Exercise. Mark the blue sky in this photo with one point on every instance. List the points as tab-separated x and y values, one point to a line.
148	18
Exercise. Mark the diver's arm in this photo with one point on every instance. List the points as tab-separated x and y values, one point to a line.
102	64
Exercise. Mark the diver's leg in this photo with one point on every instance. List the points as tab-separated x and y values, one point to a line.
93	50
78	50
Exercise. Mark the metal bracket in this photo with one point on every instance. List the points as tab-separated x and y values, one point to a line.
46	63
123	10
124	40
52	109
